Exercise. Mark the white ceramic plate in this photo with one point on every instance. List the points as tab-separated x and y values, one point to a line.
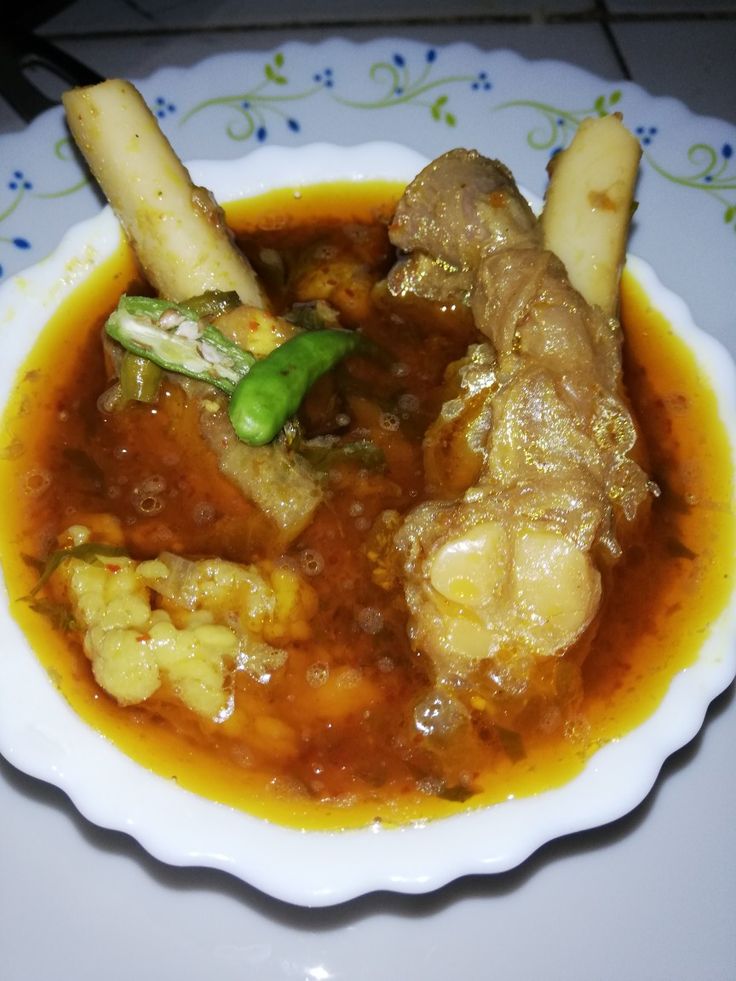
431	81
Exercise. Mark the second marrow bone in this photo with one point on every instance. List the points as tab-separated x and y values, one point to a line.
587	207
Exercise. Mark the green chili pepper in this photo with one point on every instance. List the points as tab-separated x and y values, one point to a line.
313	315
212	303
241	360
323	455
273	389
139	378
173	337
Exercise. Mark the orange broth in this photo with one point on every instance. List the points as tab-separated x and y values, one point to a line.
346	752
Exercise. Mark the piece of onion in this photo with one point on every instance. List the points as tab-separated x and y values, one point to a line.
181	584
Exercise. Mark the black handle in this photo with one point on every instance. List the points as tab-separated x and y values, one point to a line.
20	51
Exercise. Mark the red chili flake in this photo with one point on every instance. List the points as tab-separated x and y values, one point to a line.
142	638
113	568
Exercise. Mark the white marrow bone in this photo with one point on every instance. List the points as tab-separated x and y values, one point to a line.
588	206
177	230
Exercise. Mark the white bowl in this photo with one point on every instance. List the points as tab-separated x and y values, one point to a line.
41	735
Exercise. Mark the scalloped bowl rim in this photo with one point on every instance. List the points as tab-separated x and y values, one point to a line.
42	735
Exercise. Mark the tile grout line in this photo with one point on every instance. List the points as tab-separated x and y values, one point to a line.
605	23
598	14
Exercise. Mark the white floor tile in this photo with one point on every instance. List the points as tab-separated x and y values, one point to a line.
116	15
646	7
581	44
694	61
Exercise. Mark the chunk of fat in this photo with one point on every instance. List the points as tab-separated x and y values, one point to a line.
502	585
279	482
556	584
470	568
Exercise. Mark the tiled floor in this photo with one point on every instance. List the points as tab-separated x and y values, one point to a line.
695	61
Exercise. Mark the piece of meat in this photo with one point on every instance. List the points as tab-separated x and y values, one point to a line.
460	207
277	480
510	571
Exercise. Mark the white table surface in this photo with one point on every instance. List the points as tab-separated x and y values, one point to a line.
644	898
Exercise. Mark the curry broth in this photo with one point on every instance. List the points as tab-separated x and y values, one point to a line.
330	741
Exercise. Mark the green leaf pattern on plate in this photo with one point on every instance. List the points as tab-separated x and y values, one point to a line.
63	150
713	171
394	76
560	124
253	106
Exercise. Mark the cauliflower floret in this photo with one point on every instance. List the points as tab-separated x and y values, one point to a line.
226	585
271	600
295	603
108	595
131	646
195	661
123	663
208	618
